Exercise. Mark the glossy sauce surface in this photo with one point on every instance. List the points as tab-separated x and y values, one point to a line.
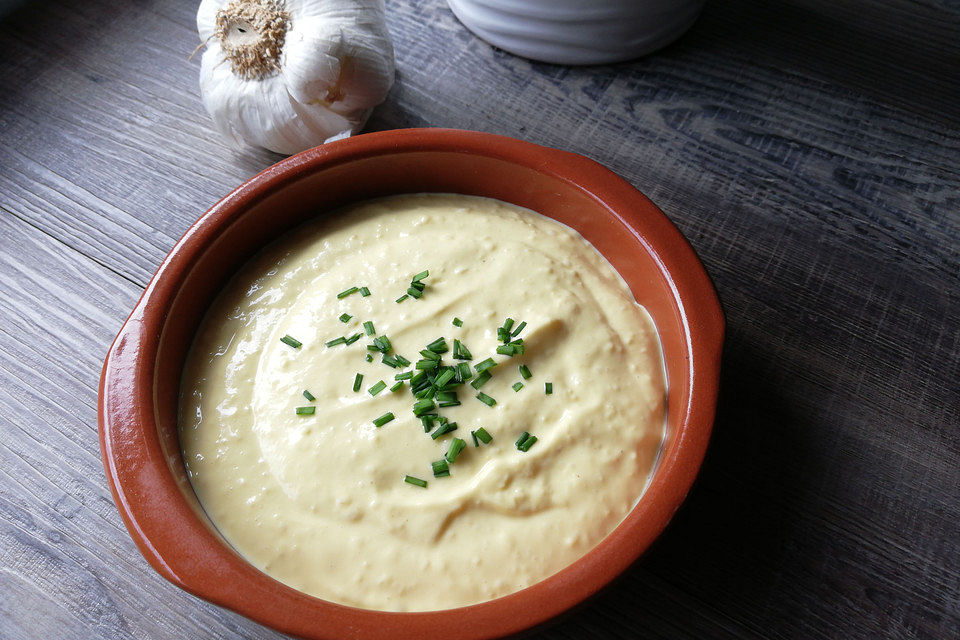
319	502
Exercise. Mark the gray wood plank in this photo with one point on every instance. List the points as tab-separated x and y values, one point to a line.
68	565
809	151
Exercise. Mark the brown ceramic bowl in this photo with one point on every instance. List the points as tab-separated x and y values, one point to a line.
141	376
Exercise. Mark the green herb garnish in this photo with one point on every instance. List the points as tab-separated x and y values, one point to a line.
457	322
440	468
526	441
438	346
377	388
345	317
456	446
306	411
309	396
406	375
290	340
519	328
353	338
517	386
345	293
382	420
423	406
364	292
415	481
548	388
402	298
485	399
420	276
481	380
483	436
368	327
489	363
396	387
357	382
525	372
444	429
336	341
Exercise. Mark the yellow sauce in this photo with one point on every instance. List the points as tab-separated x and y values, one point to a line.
319	501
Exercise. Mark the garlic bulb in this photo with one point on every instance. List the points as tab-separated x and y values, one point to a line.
288	75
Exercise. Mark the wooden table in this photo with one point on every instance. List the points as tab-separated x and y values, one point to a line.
808	149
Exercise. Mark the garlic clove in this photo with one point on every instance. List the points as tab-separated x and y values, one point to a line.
344	64
207	18
262	113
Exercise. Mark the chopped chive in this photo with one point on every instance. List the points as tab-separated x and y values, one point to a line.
517	386
345	293
364	292
485	399
383	344
529	442
418	379
525	372
406	375
489	363
390	361
415	481
473	434
464	371
419	286
449	403
444	378
483	436
440	468
481	380
420	276
290	340
503	335
456	446
402	298
423	406
426	393
427	420
382	420
444	429
506	349
369	358
426	353
426	365
368	327
508	324
438	346
519	328
336	341
357	382
396	387
403	361
457	322
353	338
414	293
306	411
460	352
345	317
377	388
523	437
548	388
309	396
372	347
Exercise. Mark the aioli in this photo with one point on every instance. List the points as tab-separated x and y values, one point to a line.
318	501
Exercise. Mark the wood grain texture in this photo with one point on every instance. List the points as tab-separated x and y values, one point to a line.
808	149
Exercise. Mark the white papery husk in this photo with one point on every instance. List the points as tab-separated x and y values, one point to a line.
336	64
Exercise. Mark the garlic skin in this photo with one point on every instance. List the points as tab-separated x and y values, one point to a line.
288	75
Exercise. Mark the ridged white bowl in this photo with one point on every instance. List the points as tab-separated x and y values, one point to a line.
578	31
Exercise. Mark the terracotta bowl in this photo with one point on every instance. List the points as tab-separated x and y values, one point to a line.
141	376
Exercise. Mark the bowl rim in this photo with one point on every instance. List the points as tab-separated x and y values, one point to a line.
148	497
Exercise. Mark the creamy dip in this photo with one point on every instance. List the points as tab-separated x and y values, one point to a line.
319	502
